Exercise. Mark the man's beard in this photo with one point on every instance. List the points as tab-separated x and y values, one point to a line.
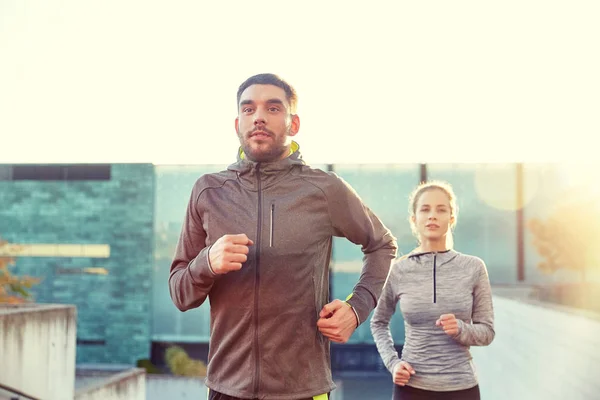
273	153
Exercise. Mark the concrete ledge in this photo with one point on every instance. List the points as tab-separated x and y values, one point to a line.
37	349
161	387
33	307
106	385
527	294
541	351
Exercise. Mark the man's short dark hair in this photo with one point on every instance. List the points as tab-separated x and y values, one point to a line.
270	79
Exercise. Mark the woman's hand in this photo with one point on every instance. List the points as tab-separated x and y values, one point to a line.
449	323
402	373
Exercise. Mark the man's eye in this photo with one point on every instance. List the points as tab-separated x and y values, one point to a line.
247	109
273	109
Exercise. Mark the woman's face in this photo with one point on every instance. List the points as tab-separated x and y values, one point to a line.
433	215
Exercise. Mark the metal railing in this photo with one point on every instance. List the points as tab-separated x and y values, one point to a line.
20	395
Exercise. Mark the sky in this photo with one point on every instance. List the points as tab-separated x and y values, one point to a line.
378	81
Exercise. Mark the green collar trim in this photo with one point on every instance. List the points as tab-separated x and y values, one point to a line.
294	147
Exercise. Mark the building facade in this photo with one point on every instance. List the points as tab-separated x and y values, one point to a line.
87	231
102	237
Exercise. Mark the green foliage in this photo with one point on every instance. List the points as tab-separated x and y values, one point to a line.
148	366
181	364
13	289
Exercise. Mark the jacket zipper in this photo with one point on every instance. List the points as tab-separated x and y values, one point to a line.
256	283
272	224
434	277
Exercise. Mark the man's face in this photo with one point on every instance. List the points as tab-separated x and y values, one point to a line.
264	124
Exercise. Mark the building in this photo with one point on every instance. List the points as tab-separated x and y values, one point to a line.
101	237
88	232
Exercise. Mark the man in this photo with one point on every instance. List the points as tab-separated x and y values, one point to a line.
257	241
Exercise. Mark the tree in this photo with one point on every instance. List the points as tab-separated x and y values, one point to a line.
13	289
569	236
182	365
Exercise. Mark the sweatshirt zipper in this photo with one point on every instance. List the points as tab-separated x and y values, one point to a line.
256	283
272	224
434	277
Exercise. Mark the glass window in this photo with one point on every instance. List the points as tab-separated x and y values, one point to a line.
487	218
385	190
173	189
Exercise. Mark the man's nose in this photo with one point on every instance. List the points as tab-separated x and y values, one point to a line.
259	117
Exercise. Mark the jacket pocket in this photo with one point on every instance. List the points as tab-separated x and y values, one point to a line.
272	225
320	299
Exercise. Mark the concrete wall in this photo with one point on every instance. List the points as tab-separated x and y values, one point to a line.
37	349
126	385
540	352
161	387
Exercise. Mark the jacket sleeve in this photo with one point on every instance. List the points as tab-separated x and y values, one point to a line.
352	219
480	332
380	323
191	276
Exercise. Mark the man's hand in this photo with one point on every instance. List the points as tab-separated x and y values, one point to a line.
402	373
228	253
337	321
448	323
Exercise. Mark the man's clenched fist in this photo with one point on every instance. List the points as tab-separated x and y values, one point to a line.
228	253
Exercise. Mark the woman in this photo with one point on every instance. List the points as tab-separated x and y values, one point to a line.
445	299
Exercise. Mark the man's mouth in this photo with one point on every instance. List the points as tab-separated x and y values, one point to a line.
260	135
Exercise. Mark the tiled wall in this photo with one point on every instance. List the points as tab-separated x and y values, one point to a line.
113	293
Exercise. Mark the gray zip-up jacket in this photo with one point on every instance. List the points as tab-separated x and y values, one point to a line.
428	285
264	339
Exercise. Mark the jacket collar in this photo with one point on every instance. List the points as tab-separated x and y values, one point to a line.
442	257
269	172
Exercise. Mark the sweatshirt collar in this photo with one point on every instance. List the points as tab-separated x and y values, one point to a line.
442	257
422	253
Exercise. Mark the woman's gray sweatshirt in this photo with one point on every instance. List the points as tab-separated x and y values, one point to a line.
428	285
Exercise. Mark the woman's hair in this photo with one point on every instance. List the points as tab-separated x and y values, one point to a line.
414	199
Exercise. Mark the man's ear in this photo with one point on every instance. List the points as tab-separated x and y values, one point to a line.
295	126
237	125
